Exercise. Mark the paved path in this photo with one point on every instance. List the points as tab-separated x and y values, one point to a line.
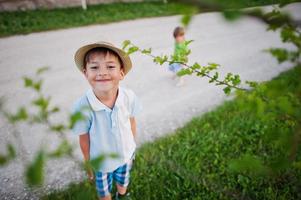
236	46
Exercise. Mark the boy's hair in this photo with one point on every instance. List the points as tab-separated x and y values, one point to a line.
178	31
102	50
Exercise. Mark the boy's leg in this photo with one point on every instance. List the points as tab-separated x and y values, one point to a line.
122	177
104	182
173	68
106	198
180	82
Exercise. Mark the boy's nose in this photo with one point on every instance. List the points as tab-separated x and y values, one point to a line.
102	71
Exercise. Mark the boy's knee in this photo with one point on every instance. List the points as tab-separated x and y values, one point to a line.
121	190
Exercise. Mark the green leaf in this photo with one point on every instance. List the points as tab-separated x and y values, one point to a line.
11	151
28	82
55	110
63	149
42	70
236	80
183	72
195	66
147	51
279	53
248	164
3	160
132	49
160	59
34	172
186	18
11	154
42	102
94	163
213	66
125	44
21	115
227	90
163	60
75	117
38	85
252	84
58	128
214	78
228	77
186	43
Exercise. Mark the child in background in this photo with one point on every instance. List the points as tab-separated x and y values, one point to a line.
179	55
109	110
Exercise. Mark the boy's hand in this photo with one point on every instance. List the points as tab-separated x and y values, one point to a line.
90	175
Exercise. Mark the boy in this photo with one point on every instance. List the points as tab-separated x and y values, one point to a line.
179	55
109	110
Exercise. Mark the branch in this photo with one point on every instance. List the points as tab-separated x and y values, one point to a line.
133	48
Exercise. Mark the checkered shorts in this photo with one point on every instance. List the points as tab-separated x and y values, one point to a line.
104	181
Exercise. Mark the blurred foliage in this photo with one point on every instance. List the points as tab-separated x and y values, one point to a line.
34	172
43	111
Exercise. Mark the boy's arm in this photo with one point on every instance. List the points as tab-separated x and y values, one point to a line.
133	126
84	142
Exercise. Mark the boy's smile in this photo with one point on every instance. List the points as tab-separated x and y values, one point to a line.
103	72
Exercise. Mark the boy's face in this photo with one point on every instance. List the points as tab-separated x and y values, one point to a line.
180	38
103	72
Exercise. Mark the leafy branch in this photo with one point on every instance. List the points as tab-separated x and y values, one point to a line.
34	169
230	81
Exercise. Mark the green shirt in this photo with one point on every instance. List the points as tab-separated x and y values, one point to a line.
180	52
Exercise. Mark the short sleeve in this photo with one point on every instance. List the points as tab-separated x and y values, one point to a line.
80	112
136	106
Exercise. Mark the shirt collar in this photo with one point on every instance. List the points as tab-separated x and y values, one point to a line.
98	105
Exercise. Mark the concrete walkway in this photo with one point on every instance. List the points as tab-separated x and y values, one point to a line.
236	46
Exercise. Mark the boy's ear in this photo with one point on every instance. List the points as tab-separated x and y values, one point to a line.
85	72
122	73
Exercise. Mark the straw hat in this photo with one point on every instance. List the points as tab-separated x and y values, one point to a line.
81	52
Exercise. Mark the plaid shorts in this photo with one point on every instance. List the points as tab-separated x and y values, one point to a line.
104	181
175	67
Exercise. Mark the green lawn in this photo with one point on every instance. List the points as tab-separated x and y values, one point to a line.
24	22
40	20
196	162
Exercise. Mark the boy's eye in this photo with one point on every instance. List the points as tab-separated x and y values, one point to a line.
93	67
111	66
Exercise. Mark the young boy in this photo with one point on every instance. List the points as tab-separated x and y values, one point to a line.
109	110
179	55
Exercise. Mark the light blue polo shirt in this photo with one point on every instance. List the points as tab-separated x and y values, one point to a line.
109	129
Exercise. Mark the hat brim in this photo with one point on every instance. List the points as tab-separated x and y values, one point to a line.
81	53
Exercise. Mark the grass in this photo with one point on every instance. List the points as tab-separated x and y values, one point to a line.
24	22
41	20
196	162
